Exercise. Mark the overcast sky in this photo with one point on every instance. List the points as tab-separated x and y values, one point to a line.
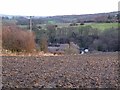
56	7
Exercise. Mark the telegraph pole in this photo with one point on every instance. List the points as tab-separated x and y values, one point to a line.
30	23
0	51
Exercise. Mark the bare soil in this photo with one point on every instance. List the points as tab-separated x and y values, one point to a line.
69	71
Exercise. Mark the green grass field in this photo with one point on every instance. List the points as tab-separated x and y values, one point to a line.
99	26
103	26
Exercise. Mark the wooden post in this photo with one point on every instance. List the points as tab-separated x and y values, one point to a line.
1	51
30	23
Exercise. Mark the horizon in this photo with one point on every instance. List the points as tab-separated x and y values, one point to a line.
55	15
56	8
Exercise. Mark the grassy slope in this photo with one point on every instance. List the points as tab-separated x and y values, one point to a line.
100	26
103	26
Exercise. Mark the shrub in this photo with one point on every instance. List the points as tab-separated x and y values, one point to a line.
43	44
16	39
72	49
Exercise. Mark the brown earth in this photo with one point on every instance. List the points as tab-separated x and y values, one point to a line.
69	71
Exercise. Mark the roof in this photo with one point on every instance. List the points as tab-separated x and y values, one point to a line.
61	47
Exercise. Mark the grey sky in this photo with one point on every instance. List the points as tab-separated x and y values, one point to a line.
56	7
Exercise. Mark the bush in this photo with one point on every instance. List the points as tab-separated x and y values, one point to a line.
72	49
16	39
43	44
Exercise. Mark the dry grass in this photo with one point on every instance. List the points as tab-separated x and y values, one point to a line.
24	54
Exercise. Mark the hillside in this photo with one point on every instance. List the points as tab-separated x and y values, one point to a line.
86	17
87	31
99	17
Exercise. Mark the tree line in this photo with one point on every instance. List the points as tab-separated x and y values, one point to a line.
84	37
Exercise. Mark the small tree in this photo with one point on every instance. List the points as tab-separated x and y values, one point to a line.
43	44
72	49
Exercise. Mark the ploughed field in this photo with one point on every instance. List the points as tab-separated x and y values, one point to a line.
69	71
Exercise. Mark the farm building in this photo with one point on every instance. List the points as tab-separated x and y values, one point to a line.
63	48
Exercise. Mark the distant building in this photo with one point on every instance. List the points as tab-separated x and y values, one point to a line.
62	48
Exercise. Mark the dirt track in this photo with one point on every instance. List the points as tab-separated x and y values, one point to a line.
79	71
